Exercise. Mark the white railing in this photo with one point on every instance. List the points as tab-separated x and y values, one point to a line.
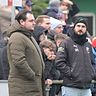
4	88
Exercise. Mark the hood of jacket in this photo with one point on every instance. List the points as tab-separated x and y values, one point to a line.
16	27
51	35
52	12
38	30
51	9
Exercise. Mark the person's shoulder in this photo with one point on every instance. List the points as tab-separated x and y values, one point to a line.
17	36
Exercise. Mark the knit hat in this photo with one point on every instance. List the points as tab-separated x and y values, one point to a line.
80	19
54	23
94	42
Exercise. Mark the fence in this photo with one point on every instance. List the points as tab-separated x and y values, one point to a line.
4	88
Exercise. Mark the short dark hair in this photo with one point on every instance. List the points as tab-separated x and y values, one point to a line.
22	15
47	44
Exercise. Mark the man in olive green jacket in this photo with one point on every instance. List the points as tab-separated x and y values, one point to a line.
25	59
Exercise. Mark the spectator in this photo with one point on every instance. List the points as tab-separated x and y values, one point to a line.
25	58
59	38
48	51
74	60
4	65
93	88
71	8
44	21
27	6
52	9
56	28
42	27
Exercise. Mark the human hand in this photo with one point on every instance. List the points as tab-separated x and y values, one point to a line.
51	57
48	82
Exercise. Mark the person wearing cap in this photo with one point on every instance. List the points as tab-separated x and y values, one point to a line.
28	5
56	25
56	28
74	60
52	9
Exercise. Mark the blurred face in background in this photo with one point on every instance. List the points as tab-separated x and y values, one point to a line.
59	29
64	6
48	52
58	42
29	8
46	23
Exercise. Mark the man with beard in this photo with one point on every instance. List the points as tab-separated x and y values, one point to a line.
74	60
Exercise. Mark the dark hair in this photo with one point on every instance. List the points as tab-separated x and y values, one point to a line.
22	15
47	44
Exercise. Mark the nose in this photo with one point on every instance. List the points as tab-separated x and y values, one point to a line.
80	27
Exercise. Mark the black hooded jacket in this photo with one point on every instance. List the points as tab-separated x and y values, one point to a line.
52	12
38	30
74	60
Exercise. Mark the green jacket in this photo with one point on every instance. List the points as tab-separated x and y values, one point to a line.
26	63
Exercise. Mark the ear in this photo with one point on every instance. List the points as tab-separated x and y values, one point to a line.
22	22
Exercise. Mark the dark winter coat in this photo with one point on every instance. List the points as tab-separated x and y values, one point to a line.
38	31
4	66
75	62
52	12
73	10
50	69
51	35
26	63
